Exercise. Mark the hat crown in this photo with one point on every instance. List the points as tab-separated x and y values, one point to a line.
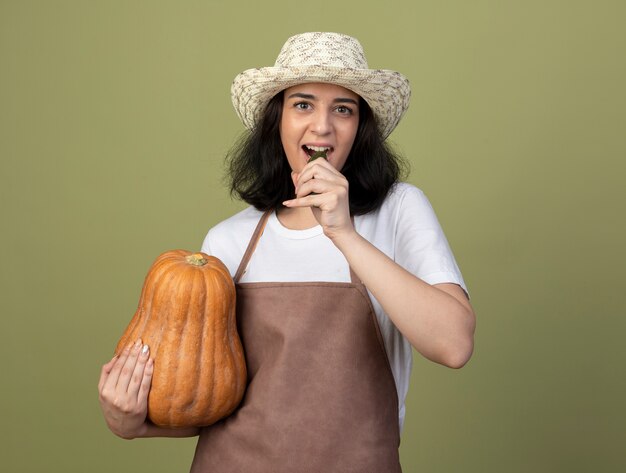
322	49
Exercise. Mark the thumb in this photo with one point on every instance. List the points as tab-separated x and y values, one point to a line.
105	372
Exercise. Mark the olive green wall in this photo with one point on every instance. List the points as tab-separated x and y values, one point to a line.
114	119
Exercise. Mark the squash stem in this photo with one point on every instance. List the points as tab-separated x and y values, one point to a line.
197	259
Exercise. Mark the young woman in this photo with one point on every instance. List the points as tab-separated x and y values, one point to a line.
340	270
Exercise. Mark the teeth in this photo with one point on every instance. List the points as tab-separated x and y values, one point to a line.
319	148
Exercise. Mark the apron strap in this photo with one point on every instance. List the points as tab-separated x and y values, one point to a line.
258	231
354	279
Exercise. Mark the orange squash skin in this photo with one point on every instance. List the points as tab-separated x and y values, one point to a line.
186	315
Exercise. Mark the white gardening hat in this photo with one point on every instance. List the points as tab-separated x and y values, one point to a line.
323	57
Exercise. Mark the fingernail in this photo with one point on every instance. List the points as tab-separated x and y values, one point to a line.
145	349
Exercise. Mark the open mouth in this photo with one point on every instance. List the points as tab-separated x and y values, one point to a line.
315	152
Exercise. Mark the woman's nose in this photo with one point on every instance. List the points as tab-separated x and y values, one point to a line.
322	123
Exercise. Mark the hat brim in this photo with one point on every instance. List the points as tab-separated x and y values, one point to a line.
386	92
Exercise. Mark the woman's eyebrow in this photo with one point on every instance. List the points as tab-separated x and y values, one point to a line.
344	100
302	96
312	97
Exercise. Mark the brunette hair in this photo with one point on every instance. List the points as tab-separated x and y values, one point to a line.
258	171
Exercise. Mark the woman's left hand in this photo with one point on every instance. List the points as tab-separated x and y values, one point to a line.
325	190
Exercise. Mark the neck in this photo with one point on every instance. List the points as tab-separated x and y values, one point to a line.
299	218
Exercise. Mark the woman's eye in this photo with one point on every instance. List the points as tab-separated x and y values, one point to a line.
344	110
302	105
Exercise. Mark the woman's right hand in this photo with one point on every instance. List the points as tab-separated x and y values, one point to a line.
124	386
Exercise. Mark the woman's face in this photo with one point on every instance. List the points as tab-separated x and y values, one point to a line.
318	116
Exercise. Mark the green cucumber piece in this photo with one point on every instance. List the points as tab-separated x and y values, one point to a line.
318	154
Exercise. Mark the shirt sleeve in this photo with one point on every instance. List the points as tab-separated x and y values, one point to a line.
206	247
421	246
